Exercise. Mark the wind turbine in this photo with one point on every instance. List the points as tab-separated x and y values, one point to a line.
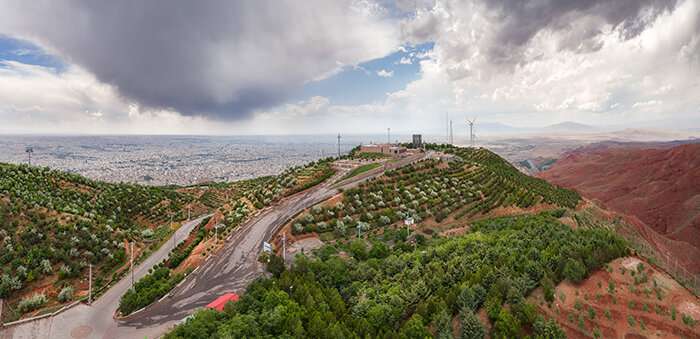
471	130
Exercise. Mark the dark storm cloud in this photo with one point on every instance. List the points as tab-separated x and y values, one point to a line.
220	59
522	20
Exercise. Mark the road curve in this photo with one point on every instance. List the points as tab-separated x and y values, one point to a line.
92	321
230	270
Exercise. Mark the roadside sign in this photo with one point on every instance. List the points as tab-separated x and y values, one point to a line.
408	221
267	247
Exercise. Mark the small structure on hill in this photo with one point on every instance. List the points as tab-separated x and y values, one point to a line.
388	149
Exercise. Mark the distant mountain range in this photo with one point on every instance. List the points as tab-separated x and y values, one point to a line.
566	126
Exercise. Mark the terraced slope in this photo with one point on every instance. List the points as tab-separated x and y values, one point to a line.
54	224
470	184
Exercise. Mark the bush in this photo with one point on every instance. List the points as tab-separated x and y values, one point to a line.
574	270
66	294
149	289
31	303
547	329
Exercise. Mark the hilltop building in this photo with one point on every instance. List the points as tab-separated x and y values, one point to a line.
388	149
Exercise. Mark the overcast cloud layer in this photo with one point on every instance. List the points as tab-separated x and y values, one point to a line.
221	59
181	66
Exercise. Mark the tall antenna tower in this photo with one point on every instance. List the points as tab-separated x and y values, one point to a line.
338	145
471	131
452	140
29	151
388	135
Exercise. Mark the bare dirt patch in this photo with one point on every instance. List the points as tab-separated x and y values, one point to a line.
625	300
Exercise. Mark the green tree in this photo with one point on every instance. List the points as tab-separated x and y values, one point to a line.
414	328
506	325
547	288
471	326
273	263
443	325
574	270
358	249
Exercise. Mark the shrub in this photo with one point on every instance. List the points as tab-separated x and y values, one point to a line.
574	270
547	329
31	303
66	294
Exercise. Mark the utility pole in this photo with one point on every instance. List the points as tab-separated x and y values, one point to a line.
29	151
284	247
132	265
188	212
338	145
173	237
1	301
90	284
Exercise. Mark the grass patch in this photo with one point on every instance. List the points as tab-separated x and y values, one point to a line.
361	169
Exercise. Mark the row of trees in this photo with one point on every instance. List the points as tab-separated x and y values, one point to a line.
292	180
474	182
405	293
57	223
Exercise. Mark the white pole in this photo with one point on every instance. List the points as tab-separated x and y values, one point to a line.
132	265
284	247
90	285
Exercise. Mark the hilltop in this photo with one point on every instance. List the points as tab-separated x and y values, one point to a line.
656	184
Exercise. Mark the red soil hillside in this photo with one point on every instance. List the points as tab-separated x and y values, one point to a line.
657	185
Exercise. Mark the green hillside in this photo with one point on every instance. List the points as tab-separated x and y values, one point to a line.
54	224
385	290
398	283
470	184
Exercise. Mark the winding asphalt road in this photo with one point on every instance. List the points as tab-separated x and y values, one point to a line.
230	270
92	321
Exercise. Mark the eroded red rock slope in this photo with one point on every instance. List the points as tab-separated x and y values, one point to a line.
658	185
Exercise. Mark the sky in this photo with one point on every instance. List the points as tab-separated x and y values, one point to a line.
345	66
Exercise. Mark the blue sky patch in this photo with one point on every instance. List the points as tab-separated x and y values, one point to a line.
27	53
369	81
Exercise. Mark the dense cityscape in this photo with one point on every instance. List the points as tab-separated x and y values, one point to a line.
164	160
